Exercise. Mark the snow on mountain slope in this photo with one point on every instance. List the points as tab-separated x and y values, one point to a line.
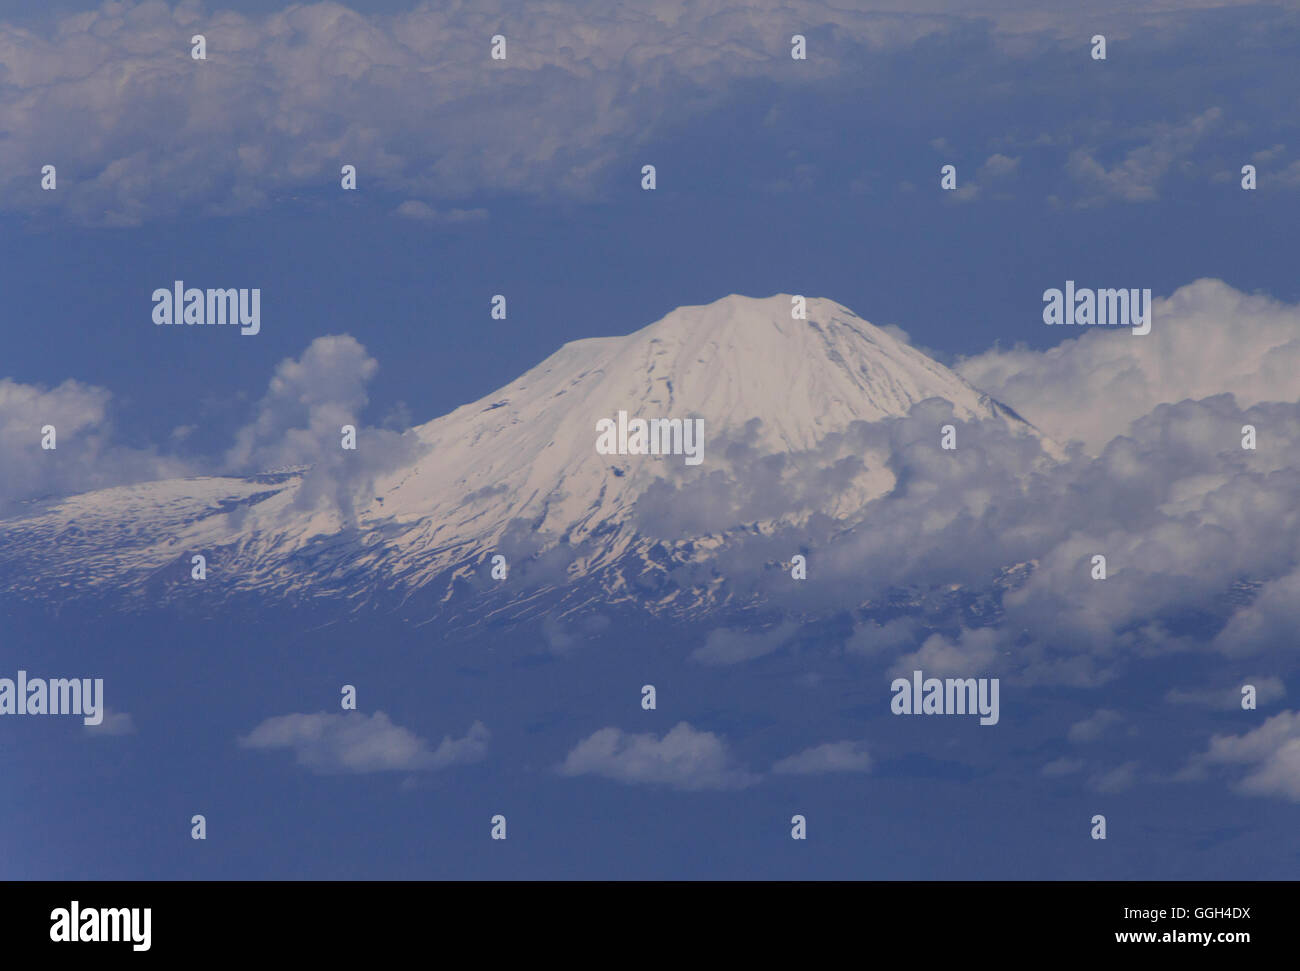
527	451
519	461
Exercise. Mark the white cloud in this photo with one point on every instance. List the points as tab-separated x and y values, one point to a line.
1061	767
847	756
1117	779
1137	177
355	742
85	456
888	638
299	422
998	166
992	176
1094	726
1206	339
684	759
413	100
1269	753
308	400
1268	154
939	656
728	646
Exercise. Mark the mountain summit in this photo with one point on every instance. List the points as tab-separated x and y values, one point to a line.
518	473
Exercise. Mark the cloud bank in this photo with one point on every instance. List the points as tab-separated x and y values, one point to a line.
1268	758
137	128
1207	339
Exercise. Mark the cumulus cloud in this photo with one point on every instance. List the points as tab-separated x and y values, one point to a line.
970	654
685	758
1270	621
299	422
355	742
847	756
85	456
1269	756
1206	339
991	177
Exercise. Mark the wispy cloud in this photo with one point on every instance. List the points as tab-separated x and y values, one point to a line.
1095	725
1228	697
1137	177
299	422
113	723
847	756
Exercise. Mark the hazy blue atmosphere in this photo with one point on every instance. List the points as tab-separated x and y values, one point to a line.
523	177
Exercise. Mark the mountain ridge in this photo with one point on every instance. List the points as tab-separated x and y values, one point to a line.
516	472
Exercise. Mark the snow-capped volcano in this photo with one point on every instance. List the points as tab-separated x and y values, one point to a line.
518	472
743	365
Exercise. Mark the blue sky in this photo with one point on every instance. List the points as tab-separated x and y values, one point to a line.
523	178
